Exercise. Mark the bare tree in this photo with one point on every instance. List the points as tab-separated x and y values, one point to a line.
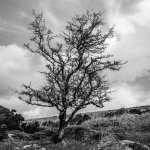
75	63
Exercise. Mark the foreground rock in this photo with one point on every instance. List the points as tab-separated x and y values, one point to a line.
133	145
111	143
30	146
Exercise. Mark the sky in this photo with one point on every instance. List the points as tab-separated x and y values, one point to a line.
131	43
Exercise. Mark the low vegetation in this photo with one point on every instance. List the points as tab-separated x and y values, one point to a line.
85	132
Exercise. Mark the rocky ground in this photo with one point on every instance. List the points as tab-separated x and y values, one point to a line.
122	131
108	142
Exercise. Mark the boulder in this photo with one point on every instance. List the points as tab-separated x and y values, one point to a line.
133	145
27	146
112	143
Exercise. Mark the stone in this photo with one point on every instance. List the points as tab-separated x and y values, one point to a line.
10	135
17	148
111	143
35	145
26	146
42	148
64	143
133	145
107	141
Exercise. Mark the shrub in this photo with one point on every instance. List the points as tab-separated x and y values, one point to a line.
45	133
3	129
78	119
109	114
145	127
135	111
45	123
77	132
20	135
119	132
30	127
120	111
11	119
96	136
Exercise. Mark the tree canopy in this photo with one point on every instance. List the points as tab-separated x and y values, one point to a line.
75	65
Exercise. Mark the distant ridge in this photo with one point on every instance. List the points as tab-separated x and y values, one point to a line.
52	118
95	114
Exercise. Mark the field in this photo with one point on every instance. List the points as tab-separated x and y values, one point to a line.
111	130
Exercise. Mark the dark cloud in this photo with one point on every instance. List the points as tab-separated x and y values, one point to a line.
64	8
140	87
17	11
128	6
4	90
142	82
15	15
18	67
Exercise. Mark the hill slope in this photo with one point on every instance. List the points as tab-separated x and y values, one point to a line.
96	114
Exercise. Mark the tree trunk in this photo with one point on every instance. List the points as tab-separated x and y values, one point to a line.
60	134
62	125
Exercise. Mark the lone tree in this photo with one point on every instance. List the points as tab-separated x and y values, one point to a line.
75	63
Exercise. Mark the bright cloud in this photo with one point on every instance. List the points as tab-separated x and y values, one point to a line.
126	22
141	17
39	112
12	58
131	43
16	68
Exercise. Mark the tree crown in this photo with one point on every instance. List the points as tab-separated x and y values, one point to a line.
75	62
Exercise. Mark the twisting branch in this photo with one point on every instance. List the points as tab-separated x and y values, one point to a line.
75	68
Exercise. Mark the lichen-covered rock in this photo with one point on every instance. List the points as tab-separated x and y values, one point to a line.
42	149
133	145
17	148
108	143
112	143
27	146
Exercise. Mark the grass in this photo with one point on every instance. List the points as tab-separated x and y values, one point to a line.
87	135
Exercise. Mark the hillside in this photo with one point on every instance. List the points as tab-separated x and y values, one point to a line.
93	115
122	129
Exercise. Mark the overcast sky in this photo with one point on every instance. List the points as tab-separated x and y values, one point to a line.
131	43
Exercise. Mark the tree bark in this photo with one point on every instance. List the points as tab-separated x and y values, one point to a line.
62	125
60	134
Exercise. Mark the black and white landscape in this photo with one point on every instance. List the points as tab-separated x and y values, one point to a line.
84	62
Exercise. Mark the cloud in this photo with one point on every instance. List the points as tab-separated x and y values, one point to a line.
17	64
141	84
131	19
9	27
127	14
39	112
125	95
131	93
33	113
57	12
141	17
28	111
14	65
52	21
14	19
17	67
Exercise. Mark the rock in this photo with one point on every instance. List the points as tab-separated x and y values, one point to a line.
133	145
10	135
26	146
35	145
42	148
111	143
17	148
108	142
64	143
